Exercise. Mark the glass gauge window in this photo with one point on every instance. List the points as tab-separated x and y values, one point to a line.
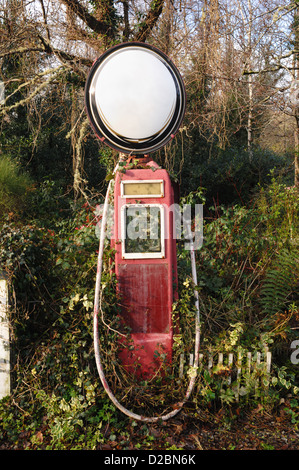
143	234
142	188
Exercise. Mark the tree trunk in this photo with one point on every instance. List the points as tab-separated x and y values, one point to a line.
296	161
250	85
249	122
296	72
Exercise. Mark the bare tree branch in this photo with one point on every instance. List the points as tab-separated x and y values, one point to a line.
156	8
52	73
22	50
48	49
45	19
97	26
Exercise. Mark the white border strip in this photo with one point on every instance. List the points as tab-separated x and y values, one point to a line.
149	255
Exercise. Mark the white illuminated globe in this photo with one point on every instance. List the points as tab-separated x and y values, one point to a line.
135	94
135	98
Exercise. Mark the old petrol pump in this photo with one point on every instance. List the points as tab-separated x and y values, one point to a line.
135	101
145	265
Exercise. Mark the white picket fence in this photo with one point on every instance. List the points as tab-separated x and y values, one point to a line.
235	368
4	340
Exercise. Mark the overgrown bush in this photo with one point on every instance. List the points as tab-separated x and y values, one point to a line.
232	176
241	248
52	273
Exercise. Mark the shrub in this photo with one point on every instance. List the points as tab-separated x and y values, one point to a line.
14	186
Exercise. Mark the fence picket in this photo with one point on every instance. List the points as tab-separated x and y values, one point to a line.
230	365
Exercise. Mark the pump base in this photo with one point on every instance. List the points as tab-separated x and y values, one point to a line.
147	355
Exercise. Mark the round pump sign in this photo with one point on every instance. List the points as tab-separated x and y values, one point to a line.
135	98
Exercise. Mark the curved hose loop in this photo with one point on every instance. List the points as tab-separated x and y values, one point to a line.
105	384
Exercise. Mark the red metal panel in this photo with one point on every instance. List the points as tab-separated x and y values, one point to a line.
144	289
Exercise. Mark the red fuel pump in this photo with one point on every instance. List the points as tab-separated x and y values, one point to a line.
145	265
135	102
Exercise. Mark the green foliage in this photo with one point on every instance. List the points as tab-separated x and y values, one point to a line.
52	272
229	176
277	208
239	244
14	186
280	282
61	403
247	267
